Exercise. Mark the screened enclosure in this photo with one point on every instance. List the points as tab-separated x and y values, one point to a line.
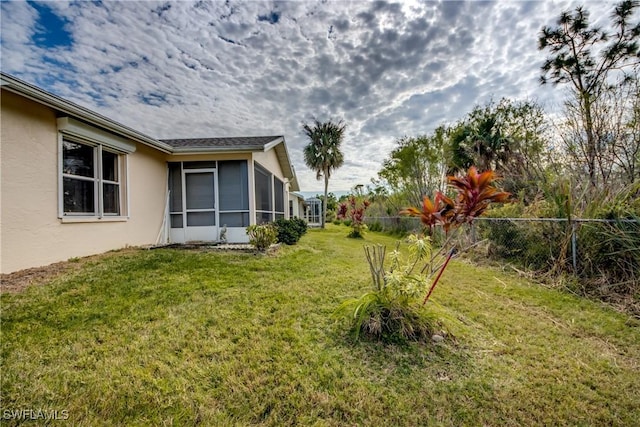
313	211
207	196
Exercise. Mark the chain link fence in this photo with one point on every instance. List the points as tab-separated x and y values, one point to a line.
588	248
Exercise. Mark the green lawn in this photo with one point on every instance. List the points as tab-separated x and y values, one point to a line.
177	337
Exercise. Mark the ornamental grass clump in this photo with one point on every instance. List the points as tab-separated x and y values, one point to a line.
392	310
262	236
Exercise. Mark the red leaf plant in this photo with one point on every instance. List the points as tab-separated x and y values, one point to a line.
475	192
354	210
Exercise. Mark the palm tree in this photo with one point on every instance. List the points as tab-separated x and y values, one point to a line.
323	153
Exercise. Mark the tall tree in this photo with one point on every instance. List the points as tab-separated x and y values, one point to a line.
507	137
616	130
416	166
586	57
323	154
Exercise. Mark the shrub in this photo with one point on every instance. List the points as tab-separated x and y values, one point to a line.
290	230
301	225
534	244
262	236
379	316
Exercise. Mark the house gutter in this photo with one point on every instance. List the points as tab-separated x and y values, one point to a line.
212	150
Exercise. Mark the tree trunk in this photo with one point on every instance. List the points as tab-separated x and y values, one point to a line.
591	143
324	201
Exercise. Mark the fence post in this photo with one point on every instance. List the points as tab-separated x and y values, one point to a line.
574	249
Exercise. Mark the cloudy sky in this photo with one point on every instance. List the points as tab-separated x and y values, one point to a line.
233	68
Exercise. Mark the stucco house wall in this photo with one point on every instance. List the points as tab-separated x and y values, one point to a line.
76	183
269	161
32	233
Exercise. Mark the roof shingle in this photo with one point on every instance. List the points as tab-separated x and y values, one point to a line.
242	142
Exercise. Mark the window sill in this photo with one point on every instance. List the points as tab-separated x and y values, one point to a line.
74	219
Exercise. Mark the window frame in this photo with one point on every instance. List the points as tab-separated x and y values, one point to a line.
98	180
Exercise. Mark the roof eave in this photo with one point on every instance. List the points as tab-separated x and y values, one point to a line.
36	94
268	146
214	150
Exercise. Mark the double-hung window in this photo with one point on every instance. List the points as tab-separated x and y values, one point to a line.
93	165
90	180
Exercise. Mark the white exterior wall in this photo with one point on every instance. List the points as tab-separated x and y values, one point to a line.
31	233
269	161
298	206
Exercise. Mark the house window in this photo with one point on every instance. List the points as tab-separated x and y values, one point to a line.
92	171
91	180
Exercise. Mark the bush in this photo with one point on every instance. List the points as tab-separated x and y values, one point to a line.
262	236
534	244
609	258
301	225
290	230
353	210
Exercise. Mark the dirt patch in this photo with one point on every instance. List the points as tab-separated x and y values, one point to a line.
19	280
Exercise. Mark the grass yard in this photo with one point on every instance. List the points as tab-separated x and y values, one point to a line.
178	337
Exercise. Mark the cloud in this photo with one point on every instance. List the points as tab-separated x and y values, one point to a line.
197	69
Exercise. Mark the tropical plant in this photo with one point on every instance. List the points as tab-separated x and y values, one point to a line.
507	137
475	192
389	312
391	309
353	210
262	236
323	154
